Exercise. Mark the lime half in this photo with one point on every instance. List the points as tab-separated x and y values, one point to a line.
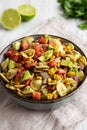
26	11
10	19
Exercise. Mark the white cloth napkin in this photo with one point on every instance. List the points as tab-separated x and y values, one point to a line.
67	116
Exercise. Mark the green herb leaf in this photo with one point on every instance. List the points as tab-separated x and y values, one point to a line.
83	26
75	9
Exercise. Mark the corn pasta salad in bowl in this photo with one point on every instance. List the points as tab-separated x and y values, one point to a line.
41	71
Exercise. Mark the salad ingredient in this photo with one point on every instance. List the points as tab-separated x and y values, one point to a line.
80	75
67	63
4	78
46	55
26	75
28	91
11	73
16	46
36	84
36	95
61	88
11	64
4	65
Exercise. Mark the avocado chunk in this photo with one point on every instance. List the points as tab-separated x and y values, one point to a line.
11	64
26	76
16	45
67	63
46	55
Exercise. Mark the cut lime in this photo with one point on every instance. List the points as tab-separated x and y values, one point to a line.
26	11
10	19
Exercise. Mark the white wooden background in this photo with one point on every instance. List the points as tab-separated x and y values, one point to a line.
45	9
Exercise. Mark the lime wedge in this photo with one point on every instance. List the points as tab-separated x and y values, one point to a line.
26	11
10	19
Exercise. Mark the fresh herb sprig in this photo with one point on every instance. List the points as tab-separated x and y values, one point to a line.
75	9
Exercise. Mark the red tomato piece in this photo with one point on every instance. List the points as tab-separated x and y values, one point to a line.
24	46
9	52
39	49
18	74
42	40
56	54
52	63
29	65
25	59
36	95
15	56
60	71
27	82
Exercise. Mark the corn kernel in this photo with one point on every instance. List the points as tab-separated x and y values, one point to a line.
18	90
39	77
71	73
30	53
55	95
69	48
49	96
52	58
51	71
49	80
58	64
82	60
56	77
56	47
30	59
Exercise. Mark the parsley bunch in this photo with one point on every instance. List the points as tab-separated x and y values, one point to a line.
75	9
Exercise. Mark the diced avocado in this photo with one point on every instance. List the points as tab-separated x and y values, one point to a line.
26	76
46	55
47	37
28	39
4	78
16	45
11	64
67	63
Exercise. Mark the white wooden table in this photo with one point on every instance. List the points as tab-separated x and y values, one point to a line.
45	9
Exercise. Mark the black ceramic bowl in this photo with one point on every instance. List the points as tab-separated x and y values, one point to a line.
41	105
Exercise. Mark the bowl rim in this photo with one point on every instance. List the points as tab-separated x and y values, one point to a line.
10	92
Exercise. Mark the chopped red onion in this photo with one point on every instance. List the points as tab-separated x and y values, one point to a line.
75	78
82	66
